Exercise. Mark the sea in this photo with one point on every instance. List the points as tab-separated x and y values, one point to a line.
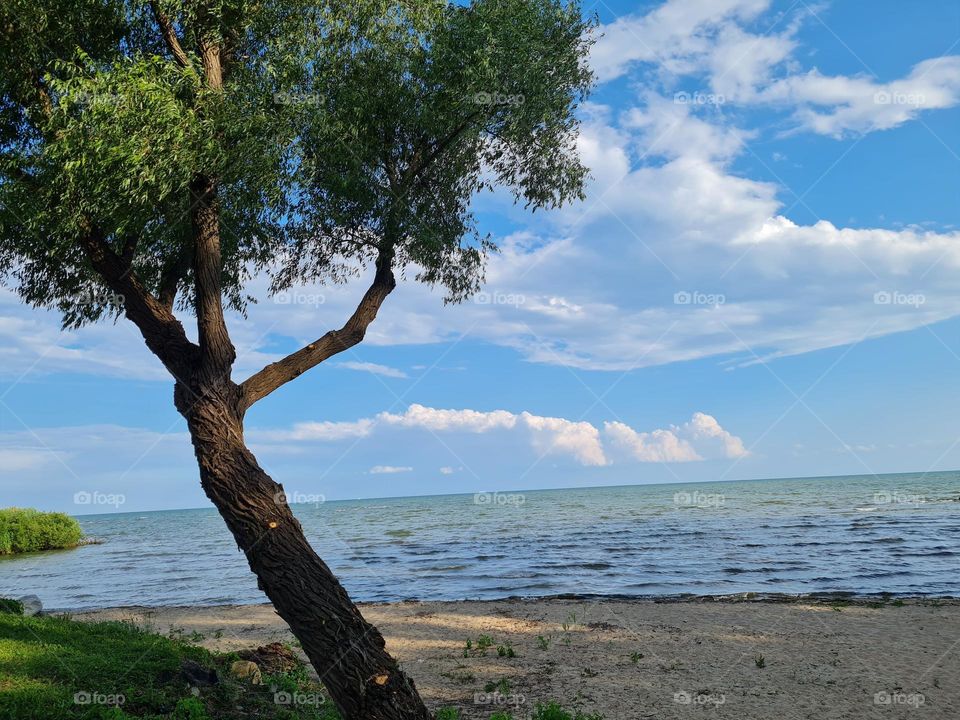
862	536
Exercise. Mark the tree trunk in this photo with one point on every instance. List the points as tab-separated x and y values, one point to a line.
363	680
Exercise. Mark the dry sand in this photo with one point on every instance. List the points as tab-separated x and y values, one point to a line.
696	659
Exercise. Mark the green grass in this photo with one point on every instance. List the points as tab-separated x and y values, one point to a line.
46	661
24	530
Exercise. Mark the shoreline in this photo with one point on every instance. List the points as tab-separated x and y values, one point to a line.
818	598
641	659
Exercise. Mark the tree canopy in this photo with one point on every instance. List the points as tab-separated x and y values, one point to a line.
334	135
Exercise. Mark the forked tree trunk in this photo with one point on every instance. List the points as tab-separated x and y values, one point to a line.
363	680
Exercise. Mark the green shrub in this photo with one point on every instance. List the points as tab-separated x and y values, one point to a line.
12	607
553	711
25	530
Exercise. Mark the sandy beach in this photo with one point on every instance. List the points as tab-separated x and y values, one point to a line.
644	659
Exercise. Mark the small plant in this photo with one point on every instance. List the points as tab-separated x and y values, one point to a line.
218	634
506	651
197	637
543	642
553	711
11	606
570	622
448	714
501	716
502	686
636	657
897	603
471	649
760	661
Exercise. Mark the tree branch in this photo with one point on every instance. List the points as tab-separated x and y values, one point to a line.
161	331
263	383
170	35
216	349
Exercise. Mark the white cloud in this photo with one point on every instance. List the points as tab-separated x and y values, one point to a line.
838	105
553	435
447	420
389	469
579	440
373	368
700	438
677	35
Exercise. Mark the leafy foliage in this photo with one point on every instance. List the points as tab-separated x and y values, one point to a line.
26	530
341	133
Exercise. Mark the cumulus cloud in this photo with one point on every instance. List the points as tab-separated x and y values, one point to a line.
701	438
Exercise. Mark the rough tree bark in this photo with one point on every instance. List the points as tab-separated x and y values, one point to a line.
364	681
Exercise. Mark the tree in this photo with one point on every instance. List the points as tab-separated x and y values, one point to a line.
155	156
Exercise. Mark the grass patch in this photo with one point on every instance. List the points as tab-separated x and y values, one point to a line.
23	530
53	667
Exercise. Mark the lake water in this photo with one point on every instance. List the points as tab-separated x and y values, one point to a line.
864	535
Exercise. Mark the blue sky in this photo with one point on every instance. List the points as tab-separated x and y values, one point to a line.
791	169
